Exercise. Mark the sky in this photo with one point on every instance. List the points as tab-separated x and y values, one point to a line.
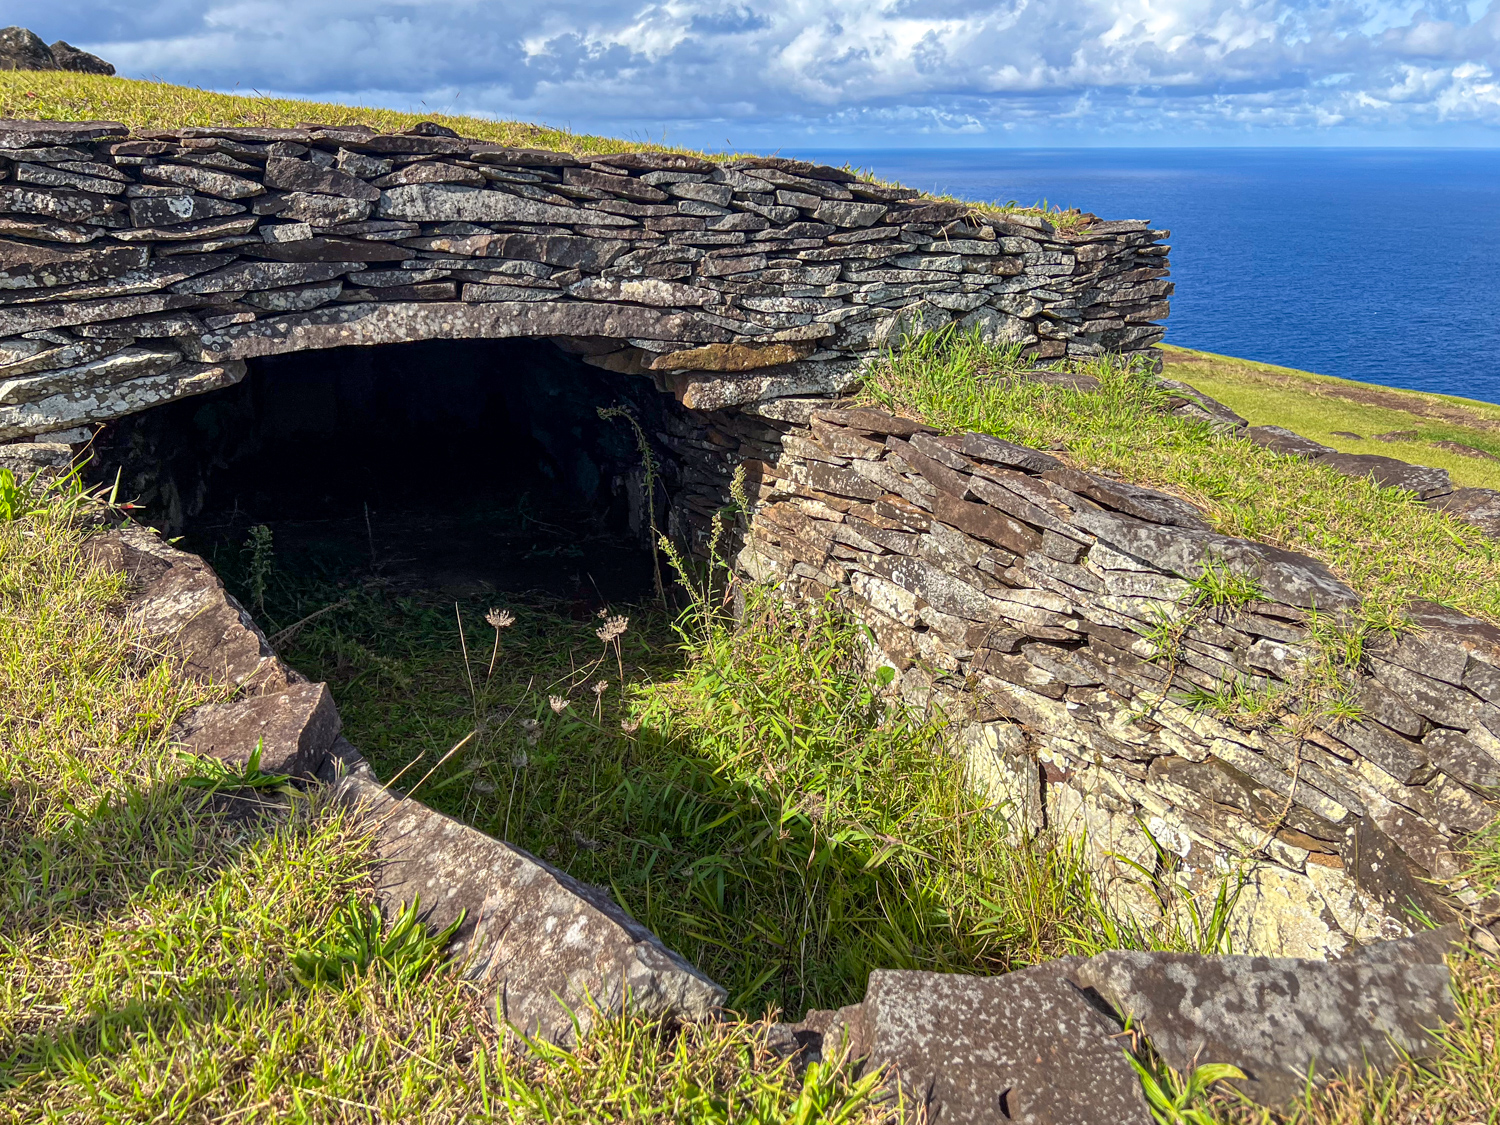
758	74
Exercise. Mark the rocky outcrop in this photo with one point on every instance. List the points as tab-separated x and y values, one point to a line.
140	268
553	953
24	50
1060	619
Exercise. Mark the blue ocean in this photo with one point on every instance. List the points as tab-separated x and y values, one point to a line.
1381	265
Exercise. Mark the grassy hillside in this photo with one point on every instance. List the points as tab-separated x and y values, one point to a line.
1327	409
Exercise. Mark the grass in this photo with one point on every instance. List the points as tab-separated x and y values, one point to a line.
149	952
65	96
747	796
1389	547
1316	406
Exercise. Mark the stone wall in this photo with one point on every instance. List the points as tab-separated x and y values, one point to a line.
140	268
1020	596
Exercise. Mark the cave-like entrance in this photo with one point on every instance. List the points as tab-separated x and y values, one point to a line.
455	465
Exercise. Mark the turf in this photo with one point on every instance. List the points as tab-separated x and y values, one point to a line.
64	96
1316	406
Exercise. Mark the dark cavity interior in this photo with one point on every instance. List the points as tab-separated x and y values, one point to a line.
460	466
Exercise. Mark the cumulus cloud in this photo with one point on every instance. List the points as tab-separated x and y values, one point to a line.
888	70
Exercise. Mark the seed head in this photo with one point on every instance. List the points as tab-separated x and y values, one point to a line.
613	630
601	687
630	726
500	618
557	703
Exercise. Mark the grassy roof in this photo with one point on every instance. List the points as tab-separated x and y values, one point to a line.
65	96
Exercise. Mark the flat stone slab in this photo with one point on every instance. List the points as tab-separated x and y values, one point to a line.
1281	440
542	943
1477	506
1277	1019
1390	473
294	729
1027	1047
180	603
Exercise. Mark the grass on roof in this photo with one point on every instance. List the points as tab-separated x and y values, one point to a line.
1383	542
1316	406
65	96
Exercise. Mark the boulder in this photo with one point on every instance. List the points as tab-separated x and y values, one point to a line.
1026	1047
1277	1019
24	50
69	57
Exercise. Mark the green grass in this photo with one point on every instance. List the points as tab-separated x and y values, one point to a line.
149	952
1316	406
746	796
64	96
1389	547
764	813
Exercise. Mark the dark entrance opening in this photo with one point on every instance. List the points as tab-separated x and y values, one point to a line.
459	466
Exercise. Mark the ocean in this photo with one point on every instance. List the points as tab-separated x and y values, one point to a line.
1381	265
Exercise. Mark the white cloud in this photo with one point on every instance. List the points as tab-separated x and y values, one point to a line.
875	69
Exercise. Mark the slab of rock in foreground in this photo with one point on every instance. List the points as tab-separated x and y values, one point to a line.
541	941
180	603
1026	1047
1276	1018
294	729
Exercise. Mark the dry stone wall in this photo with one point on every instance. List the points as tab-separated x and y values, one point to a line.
136	268
1025	599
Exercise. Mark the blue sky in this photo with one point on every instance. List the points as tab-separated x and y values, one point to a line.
761	74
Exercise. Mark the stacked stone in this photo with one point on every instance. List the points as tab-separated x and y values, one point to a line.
139	268
1021	596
